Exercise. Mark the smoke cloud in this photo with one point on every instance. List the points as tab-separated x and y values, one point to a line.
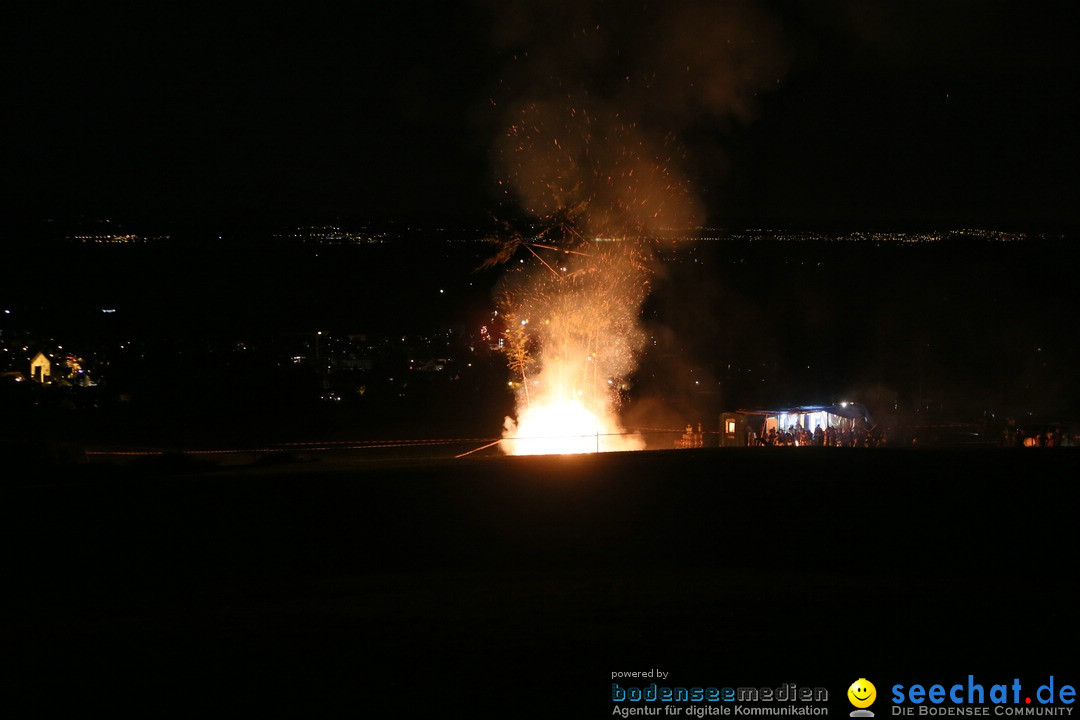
597	107
599	101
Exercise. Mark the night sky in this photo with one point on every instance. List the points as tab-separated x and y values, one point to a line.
802	114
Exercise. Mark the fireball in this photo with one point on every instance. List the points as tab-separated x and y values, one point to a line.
565	427
571	338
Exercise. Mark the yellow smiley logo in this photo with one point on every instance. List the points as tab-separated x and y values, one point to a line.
862	693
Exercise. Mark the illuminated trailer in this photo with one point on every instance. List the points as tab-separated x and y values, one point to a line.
747	427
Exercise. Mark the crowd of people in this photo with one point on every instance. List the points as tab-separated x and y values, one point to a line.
1014	436
845	436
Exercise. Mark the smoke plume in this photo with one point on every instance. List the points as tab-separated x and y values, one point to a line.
596	107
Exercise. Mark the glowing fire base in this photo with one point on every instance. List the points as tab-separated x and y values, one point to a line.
565	428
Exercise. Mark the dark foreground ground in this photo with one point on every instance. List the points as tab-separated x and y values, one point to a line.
515	587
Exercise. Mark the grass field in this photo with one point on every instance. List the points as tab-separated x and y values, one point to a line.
509	587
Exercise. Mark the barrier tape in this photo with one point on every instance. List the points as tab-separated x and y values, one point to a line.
315	446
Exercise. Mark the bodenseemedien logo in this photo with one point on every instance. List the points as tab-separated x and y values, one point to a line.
862	694
716	700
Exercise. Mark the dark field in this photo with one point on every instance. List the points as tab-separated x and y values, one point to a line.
506	587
